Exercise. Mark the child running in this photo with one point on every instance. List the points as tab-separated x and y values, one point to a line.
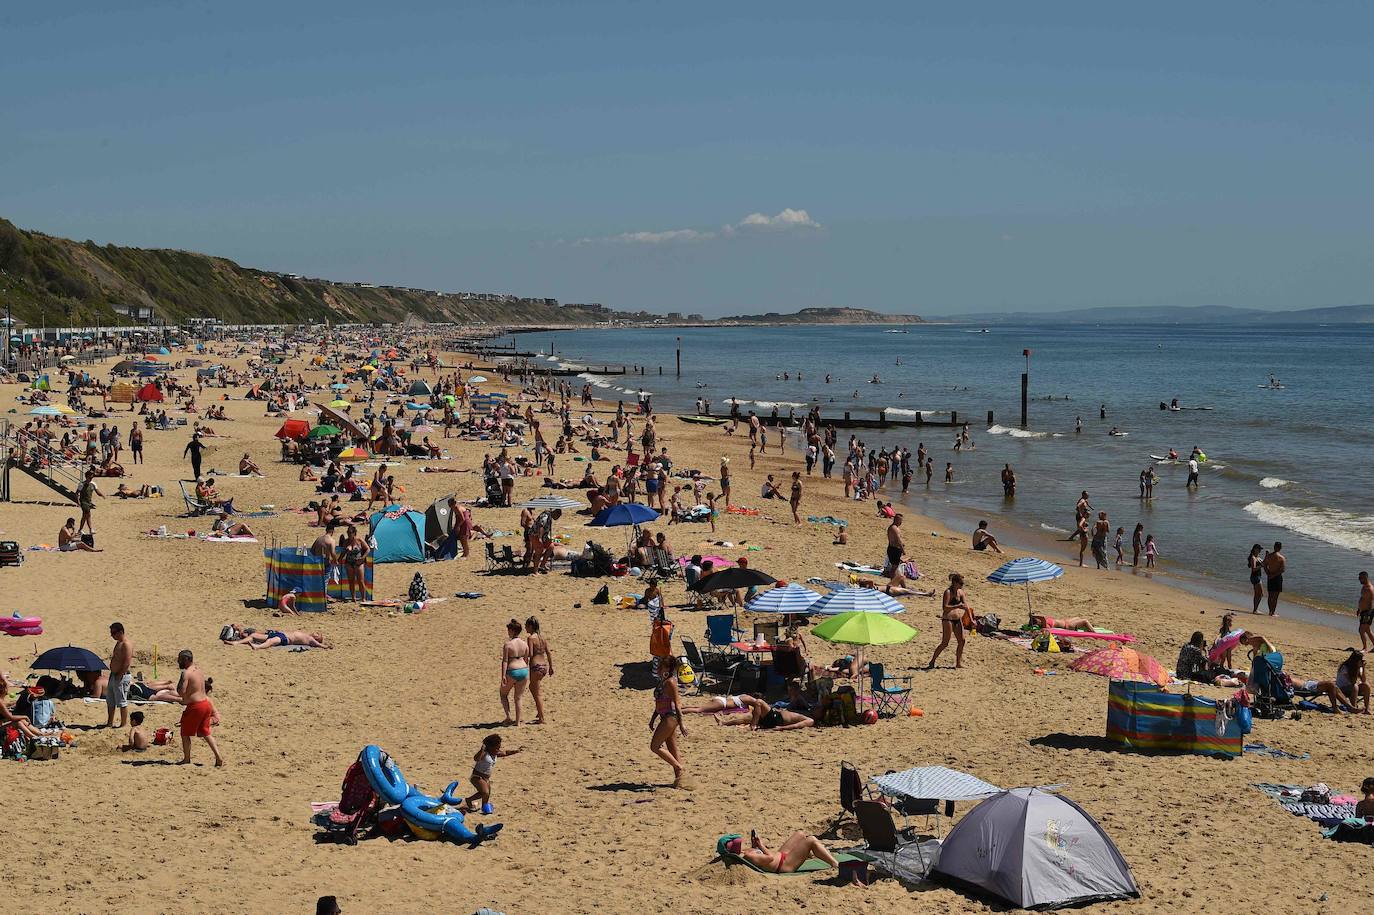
482	764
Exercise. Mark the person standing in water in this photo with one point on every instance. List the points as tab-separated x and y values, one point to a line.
1365	607
1275	563
1137	544
1255	563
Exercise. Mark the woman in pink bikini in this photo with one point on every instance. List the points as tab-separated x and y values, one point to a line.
799	848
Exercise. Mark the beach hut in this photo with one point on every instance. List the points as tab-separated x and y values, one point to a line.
1034	849
399	535
150	392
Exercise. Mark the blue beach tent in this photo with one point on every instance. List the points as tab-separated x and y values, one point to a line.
399	534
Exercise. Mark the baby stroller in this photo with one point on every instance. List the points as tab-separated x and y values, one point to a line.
1269	686
494	494
357	808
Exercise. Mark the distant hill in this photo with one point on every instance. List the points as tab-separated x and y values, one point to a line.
824	316
60	281
1171	314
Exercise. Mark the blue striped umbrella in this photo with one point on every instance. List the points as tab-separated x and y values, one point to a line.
791	598
856	599
1024	571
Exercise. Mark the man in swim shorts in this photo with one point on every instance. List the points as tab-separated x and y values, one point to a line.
117	689
896	546
1365	607
1275	563
199	714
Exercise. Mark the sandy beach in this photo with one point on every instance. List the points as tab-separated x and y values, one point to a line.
589	823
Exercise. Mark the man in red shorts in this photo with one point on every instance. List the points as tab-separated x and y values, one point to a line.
199	713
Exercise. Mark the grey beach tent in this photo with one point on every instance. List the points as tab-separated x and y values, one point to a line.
1035	850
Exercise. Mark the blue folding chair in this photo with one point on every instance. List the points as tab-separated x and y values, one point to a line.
887	695
721	632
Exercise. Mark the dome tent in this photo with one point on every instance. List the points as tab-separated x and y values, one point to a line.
399	535
1035	849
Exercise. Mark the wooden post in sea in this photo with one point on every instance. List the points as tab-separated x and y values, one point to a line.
679	357
1025	387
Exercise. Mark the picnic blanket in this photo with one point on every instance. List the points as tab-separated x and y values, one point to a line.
1290	798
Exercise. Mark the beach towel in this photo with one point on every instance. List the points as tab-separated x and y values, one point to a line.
857	569
217	538
1274	752
809	866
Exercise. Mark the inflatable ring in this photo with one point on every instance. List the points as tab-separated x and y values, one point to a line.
28	630
384	775
432	819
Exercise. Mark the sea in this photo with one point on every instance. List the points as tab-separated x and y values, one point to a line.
1282	411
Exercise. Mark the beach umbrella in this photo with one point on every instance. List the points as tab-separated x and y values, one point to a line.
164	351
477	379
732	577
543	503
353	455
46	410
1226	643
68	658
864	629
788	599
324	430
1025	571
339	386
852	599
1119	663
623	514
340	403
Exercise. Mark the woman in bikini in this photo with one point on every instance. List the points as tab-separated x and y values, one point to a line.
354	552
541	665
717	705
515	670
1255	562
954	605
796	851
1076	623
666	721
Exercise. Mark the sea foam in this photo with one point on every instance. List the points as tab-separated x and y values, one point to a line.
1338	528
1016	433
1274	482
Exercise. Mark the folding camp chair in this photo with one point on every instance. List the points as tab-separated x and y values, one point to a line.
887	695
723	674
357	808
722	633
852	790
899	853
496	560
662	564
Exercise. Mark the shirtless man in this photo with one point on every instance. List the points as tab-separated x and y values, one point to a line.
983	539
896	546
1365	607
199	714
1274	565
325	547
117	687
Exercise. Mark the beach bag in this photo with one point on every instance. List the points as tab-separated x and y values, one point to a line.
685	675
13	743
988	623
419	591
603	596
661	639
41	713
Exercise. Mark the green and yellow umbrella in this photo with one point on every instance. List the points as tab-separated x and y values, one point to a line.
859	628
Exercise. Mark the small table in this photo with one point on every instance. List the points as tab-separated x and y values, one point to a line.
751	647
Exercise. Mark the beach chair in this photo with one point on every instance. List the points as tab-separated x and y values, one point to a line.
852	790
723	674
895	852
889	694
721	633
662	564
193	505
789	666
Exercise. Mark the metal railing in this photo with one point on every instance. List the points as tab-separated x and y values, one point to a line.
50	467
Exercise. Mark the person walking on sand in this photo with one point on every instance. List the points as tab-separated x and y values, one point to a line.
953	609
795	498
199	716
515	670
896	545
195	448
1365	608
85	498
725	479
541	665
117	688
1255	563
1274	565
666	721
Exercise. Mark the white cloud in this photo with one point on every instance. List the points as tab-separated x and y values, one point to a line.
788	219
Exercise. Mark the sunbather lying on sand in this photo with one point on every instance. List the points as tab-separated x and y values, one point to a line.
272	638
796	851
1077	623
124	492
764	717
717	704
226	528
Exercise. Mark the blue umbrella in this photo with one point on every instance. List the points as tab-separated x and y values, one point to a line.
45	411
419	406
68	658
622	514
339	386
856	599
791	598
1023	571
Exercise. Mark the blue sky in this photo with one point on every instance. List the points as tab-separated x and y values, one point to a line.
715	157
